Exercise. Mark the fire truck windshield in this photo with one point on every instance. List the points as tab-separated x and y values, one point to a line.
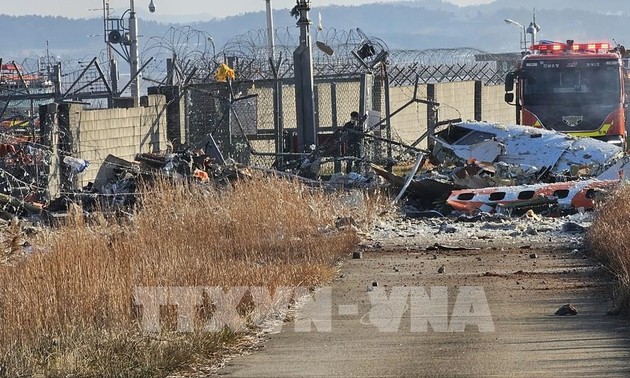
571	83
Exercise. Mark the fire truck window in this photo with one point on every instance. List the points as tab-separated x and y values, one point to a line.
594	85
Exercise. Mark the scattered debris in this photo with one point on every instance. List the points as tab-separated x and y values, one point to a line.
524	155
567	309
445	228
441	269
443	247
476	173
573	227
510	169
414	213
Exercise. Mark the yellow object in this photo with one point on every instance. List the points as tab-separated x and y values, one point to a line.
224	72
601	131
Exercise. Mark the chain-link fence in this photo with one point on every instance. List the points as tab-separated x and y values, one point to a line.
253	118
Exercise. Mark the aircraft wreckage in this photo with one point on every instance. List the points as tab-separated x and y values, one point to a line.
492	167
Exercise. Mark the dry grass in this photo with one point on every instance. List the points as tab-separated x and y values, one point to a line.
67	308
609	240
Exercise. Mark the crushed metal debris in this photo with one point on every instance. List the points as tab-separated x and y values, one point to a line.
480	167
474	169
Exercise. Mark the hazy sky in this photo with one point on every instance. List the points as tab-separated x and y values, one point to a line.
213	8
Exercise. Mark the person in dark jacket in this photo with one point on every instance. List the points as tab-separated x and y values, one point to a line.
353	135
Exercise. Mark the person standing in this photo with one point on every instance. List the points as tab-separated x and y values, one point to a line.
353	135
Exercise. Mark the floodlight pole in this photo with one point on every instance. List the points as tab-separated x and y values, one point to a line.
304	87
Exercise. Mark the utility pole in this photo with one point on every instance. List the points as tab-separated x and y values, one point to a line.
304	94
134	58
270	31
111	59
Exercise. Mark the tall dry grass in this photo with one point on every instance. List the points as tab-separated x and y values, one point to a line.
609	240
67	308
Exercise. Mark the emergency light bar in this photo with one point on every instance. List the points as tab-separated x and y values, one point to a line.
559	47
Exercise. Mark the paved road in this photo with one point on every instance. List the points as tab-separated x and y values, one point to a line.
518	335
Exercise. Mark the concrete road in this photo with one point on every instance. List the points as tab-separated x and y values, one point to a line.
489	313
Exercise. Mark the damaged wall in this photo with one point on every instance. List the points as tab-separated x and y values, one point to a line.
122	132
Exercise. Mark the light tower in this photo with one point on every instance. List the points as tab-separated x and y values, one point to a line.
303	66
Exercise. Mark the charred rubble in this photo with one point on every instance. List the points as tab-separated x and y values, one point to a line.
472	168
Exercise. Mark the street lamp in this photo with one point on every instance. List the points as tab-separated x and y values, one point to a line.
522	36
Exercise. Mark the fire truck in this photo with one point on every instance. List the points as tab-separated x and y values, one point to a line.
575	88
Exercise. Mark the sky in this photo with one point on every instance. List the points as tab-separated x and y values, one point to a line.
212	8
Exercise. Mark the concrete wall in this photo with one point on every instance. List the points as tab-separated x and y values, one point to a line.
457	100
120	132
465	100
495	109
411	122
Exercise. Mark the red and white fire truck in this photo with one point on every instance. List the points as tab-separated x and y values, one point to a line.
576	88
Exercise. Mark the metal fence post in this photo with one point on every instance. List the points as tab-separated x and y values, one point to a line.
432	115
335	125
388	123
478	100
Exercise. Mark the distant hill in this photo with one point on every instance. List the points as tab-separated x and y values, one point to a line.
418	25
